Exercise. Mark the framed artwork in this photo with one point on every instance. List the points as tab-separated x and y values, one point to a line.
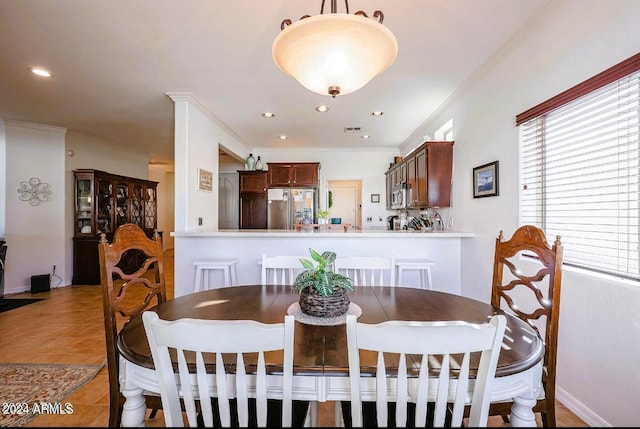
375	198
485	180
205	180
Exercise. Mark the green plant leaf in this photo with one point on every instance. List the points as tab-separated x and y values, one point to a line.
315	255
329	257
307	264
304	280
324	283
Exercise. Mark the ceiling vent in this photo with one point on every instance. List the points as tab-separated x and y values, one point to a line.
351	130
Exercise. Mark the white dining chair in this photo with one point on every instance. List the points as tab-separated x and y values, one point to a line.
442	347
234	391
367	270
280	269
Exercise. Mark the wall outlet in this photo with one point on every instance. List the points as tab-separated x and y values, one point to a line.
369	219
379	218
200	221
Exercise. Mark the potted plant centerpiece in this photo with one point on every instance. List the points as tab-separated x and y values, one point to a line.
323	215
323	293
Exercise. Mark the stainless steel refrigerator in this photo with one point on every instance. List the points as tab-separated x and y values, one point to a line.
287	207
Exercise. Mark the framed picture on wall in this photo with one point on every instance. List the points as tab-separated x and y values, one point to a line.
485	180
205	180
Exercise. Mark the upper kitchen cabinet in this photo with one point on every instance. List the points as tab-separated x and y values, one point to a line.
253	181
428	172
293	174
396	175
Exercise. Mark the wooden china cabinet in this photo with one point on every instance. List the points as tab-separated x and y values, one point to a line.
103	202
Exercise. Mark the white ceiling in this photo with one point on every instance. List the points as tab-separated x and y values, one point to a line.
114	61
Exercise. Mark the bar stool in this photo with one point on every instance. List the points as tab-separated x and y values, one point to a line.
424	265
204	265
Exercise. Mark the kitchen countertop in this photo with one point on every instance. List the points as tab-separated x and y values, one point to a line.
335	233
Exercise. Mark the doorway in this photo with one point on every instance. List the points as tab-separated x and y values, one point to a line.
346	201
228	191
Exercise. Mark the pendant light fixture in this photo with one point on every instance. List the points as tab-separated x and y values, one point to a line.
335	53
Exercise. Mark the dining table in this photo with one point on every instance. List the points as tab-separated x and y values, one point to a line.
321	369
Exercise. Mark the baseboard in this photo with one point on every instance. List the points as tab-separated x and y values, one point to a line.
579	409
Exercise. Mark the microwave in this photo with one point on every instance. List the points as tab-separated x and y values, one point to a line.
399	196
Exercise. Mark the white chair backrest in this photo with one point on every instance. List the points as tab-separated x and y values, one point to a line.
280	270
194	337
367	270
446	343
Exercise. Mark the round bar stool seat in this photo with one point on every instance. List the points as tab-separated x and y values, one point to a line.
204	265
422	264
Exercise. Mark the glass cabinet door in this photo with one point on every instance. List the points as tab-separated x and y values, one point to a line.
84	206
122	203
150	209
136	205
105	206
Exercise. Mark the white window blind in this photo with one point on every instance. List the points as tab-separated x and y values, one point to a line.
579	166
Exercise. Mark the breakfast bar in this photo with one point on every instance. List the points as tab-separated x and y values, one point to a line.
442	247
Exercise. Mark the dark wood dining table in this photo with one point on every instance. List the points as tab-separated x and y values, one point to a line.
320	354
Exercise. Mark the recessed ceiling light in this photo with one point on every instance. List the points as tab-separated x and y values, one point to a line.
377	113
366	136
322	108
40	72
268	115
282	137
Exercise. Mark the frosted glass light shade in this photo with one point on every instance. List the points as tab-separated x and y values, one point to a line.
334	50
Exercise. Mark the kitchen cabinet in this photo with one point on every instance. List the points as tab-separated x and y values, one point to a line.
428	172
396	175
412	181
103	202
388	187
253	199
293	174
253	181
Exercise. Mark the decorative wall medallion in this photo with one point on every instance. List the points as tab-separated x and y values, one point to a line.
34	191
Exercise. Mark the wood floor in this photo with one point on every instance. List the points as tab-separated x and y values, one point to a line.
67	327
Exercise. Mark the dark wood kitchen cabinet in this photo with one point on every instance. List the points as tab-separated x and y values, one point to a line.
103	202
396	175
293	174
253	199
428	171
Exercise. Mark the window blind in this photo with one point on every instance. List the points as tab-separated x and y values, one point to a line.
579	167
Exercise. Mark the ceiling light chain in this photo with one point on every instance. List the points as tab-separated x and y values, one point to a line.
335	53
377	14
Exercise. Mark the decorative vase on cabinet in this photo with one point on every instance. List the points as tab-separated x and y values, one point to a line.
251	162
259	164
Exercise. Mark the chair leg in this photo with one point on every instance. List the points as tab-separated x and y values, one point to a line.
116	403
505	418
548	419
153	413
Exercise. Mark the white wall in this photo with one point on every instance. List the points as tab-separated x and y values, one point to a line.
34	233
599	322
41	236
198	136
166	196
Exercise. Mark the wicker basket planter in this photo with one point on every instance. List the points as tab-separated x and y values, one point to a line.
316	305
